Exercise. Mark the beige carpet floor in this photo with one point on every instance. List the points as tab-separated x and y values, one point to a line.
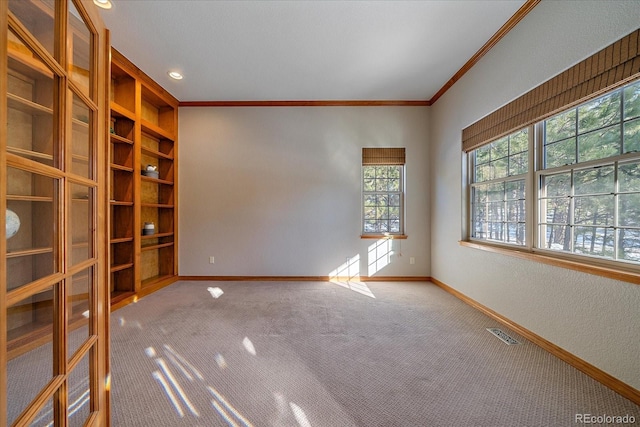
321	354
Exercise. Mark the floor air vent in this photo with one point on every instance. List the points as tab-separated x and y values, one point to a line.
503	336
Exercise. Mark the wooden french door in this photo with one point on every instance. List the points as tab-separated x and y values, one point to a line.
53	282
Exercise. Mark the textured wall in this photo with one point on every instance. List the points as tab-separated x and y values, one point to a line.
594	318
276	191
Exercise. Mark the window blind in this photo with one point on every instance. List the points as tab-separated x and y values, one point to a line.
613	66
383	156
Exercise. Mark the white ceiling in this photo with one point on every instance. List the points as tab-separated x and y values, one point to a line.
304	50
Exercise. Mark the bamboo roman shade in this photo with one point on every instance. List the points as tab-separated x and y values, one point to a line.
383	156
603	71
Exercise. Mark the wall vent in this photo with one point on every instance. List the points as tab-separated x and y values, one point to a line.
503	336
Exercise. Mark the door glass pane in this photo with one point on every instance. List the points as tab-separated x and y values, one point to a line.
29	350
30	112
79	44
81	221
32	212
80	137
79	309
37	17
79	395
45	416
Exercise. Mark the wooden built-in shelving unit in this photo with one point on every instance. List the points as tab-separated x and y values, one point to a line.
144	132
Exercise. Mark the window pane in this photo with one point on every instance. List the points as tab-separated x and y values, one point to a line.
369	213
519	142
370	200
482	154
394	200
599	144
31	252
518	164
516	233
560	153
37	17
556	211
500	148
79	42
394	172
599	113
80	137
394	213
515	190
500	168
382	213
560	127
382	184
632	136
557	237
594	210
496	211
593	241
81	214
369	185
629	245
515	211
483	173
28	321
369	172
394	226
31	110
632	101
382	171
557	185
629	177
629	210
78	309
394	184
480	193
591	181
496	191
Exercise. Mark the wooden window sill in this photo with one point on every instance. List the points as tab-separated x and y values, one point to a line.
598	270
384	236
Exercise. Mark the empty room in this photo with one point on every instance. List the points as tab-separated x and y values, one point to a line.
319	213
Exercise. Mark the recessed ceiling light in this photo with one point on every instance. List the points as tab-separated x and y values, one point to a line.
175	75
104	4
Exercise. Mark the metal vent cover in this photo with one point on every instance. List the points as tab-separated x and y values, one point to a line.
503	336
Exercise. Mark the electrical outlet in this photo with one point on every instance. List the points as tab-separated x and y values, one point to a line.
412	260
211	260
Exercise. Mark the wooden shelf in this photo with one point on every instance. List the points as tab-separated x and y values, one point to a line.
157	235
19	198
119	111
28	65
29	107
28	252
154	153
120	267
116	166
155	131
156	205
120	203
120	139
121	240
158	246
156	180
28	153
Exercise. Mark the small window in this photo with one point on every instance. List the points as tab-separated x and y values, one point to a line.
383	191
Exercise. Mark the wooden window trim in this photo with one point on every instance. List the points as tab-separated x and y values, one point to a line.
384	236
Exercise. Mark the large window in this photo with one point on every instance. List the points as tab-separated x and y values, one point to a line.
585	179
383	191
